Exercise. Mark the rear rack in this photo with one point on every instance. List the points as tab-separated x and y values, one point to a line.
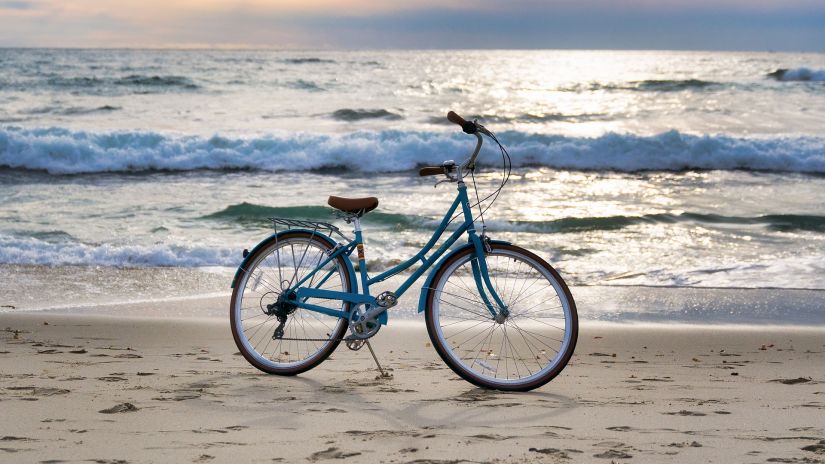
316	226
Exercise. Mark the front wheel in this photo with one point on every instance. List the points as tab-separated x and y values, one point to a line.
520	352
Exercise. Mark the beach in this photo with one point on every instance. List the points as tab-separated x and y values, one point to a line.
115	388
677	193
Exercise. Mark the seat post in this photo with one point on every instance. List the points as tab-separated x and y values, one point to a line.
362	260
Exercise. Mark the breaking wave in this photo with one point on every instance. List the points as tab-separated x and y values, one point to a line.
64	151
32	250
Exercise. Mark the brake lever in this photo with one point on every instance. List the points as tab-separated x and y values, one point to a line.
449	167
449	178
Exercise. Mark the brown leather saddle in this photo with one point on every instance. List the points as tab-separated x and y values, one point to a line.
357	206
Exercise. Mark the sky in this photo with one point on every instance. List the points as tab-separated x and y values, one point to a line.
762	25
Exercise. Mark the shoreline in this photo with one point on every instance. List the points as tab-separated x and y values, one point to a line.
630	394
177	292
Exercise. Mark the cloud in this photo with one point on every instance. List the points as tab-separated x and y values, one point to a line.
643	24
16	5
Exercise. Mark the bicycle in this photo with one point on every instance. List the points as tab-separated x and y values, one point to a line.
497	314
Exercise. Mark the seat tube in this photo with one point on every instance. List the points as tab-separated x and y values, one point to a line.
362	262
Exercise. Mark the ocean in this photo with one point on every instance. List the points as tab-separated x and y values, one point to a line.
665	186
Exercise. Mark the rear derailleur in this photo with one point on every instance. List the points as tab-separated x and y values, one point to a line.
281	309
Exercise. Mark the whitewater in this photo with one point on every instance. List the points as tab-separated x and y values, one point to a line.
60	151
698	171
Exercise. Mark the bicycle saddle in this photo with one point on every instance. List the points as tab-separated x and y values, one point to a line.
359	206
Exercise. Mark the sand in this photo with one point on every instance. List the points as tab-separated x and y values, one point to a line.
80	387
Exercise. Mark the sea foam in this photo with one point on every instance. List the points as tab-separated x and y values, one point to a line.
27	250
64	151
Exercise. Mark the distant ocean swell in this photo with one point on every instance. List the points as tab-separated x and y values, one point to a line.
258	215
63	151
798	74
94	85
154	83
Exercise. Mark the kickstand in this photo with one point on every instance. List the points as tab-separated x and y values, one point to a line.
384	374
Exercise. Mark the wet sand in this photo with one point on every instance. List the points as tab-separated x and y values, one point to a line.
79	387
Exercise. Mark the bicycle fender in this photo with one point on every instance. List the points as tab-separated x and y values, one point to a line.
273	237
422	300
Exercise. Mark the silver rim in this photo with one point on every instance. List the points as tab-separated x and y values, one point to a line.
528	345
280	265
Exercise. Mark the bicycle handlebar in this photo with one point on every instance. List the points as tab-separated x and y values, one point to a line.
468	127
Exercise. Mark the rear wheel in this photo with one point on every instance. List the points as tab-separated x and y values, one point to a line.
306	337
521	352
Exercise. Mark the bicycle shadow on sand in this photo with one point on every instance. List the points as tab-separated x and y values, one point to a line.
474	407
479	407
391	403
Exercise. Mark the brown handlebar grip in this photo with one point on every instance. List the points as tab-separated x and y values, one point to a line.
467	126
456	119
430	171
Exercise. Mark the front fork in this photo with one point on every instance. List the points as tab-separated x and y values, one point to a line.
481	276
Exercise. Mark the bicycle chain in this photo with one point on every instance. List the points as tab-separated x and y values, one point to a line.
353	344
310	339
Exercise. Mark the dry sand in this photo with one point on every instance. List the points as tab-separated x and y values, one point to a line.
115	389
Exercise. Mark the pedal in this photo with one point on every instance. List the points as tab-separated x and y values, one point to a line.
355	344
386	300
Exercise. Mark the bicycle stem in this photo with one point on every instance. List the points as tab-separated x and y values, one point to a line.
470	164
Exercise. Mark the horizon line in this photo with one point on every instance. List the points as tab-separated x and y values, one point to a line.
249	47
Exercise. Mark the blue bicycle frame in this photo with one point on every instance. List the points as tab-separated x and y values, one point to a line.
299	295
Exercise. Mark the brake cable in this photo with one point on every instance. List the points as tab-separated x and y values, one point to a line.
507	167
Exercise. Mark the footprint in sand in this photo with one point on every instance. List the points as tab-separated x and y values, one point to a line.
684	444
557	453
331	453
13	438
613	454
491	436
177	398
119	408
49	351
818	448
40	391
795	381
621	428
685	412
